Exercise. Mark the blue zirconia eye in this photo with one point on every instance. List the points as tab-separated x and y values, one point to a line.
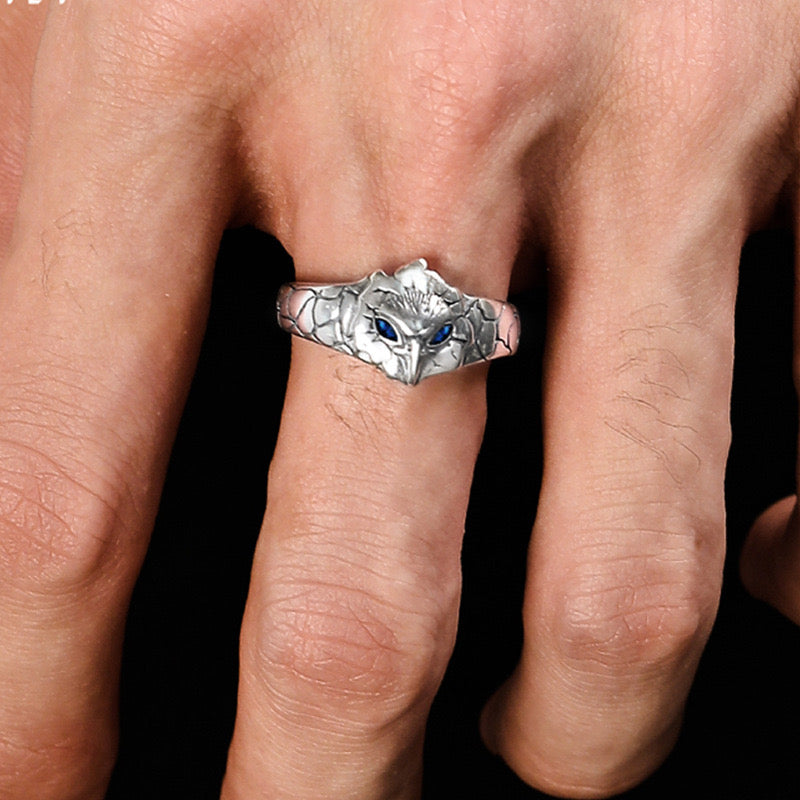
385	329
443	334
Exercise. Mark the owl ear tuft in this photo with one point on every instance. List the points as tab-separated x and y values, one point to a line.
416	275
418	265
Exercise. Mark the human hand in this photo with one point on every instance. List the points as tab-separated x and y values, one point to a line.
636	147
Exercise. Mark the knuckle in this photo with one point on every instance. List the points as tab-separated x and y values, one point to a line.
364	659
472	62
48	768
54	528
612	627
637	612
148	50
689	72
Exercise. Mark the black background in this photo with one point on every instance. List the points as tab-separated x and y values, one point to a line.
741	737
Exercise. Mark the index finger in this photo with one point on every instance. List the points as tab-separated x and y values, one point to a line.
102	308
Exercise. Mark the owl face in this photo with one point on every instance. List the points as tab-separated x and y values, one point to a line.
410	333
408	348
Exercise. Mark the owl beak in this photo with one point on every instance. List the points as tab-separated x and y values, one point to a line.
414	363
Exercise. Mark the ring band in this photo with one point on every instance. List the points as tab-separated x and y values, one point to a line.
410	325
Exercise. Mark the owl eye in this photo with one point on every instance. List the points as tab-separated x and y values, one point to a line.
443	334
385	329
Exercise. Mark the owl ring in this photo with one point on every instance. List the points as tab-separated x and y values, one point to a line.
410	325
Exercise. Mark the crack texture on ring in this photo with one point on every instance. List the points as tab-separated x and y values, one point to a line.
410	325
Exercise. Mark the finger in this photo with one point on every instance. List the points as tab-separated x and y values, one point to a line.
770	559
625	562
353	605
626	558
20	29
354	595
101	313
355	586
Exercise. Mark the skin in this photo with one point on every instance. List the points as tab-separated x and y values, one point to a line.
634	144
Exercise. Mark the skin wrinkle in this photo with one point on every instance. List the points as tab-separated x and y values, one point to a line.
120	488
604	571
667	184
344	561
321	653
301	585
337	637
630	629
368	545
359	747
79	391
100	496
57	552
38	427
698	66
633	615
317	509
298	612
402	556
655	508
174	46
337	735
53	769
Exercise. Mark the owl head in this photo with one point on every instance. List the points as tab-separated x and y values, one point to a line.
413	325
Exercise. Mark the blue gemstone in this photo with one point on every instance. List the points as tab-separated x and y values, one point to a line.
442	334
385	329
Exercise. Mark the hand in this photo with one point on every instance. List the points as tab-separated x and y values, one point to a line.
635	147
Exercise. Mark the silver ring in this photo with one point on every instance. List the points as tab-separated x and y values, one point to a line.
410	325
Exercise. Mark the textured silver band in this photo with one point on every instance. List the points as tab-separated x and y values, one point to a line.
410	325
